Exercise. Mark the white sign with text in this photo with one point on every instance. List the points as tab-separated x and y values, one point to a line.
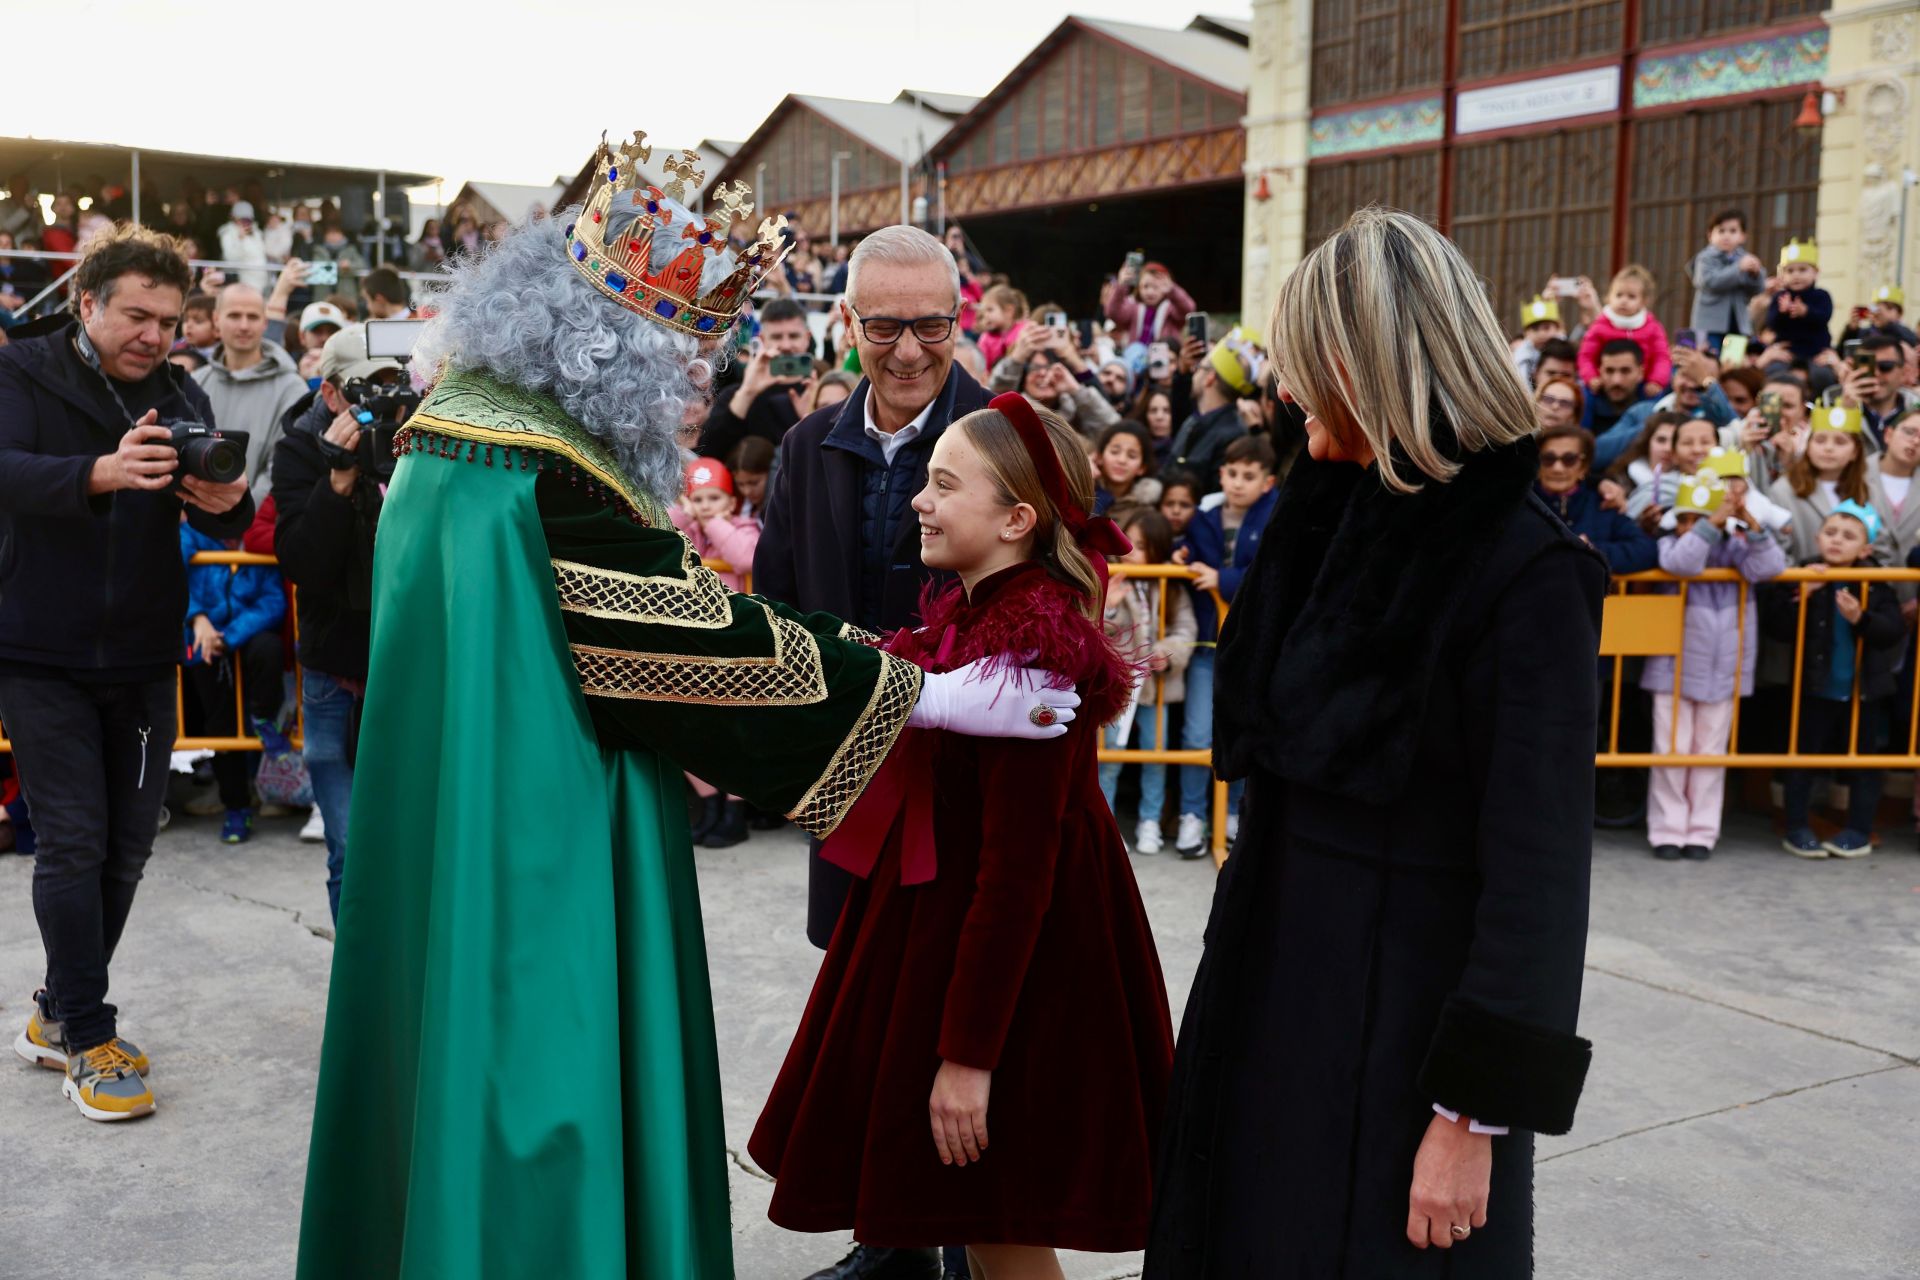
1578	93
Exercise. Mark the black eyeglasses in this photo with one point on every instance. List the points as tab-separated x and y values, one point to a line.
1886	366
884	331
1561	459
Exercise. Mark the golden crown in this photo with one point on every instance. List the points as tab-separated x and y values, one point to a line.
622	268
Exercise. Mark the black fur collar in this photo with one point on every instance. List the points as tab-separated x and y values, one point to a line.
1335	635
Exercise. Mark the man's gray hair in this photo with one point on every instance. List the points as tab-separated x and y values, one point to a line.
902	246
521	313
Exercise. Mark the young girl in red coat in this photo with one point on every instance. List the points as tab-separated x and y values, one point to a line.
993	973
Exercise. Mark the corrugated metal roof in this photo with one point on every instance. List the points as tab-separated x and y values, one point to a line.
947	104
1212	58
900	130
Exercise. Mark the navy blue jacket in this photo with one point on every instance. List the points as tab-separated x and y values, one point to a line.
821	512
1207	544
1807	336
1626	546
90	584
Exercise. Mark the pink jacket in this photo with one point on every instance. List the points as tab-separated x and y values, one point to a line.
1650	337
1131	317
994	346
729	538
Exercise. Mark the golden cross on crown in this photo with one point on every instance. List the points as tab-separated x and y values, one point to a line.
682	169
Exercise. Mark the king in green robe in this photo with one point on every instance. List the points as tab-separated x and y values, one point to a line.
518	1078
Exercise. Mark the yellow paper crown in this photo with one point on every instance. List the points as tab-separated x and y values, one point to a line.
623	270
1699	495
1542	310
1805	252
1891	293
1833	417
1728	464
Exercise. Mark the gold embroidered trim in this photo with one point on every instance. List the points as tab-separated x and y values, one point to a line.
826	802
698	599
859	635
791	676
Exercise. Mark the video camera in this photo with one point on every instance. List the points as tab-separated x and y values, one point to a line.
206	453
380	408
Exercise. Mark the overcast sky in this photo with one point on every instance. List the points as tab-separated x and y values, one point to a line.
507	91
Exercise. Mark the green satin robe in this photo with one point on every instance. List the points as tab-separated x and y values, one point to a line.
519	1075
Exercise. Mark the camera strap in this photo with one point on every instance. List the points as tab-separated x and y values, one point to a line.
91	358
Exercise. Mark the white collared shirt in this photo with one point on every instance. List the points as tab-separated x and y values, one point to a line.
898	440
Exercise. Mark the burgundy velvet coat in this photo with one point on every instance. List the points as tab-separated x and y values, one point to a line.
1028	954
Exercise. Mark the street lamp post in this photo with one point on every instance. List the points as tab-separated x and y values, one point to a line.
833	236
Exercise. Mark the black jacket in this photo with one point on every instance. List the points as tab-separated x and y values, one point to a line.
89	584
770	417
1408	681
325	545
1200	445
809	554
1881	628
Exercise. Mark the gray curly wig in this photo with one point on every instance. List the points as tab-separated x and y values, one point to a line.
521	313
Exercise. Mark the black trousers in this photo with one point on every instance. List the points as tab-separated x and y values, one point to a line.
93	766
258	662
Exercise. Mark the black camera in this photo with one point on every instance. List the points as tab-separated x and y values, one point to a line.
381	410
207	453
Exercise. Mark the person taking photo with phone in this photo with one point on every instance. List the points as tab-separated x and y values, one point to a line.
766	402
91	601
1146	307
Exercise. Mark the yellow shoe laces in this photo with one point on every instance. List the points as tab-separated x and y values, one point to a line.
108	1058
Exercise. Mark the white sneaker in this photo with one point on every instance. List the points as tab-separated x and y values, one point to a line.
1233	827
315	832
1147	838
1192	835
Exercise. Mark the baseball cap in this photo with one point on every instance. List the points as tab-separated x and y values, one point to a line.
319	313
242	210
344	358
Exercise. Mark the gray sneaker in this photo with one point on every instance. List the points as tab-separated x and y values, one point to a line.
102	1082
44	1042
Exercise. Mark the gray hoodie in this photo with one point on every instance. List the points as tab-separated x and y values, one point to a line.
1722	291
254	400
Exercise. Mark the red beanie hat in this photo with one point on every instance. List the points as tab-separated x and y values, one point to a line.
708	473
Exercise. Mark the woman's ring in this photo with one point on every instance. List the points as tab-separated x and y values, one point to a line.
1459	1232
1042	715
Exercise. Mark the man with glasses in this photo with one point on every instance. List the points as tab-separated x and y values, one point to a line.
1879	392
840	536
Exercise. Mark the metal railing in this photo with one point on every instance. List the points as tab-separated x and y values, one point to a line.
1654	625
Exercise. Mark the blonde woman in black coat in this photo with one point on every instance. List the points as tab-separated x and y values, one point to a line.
1386	1010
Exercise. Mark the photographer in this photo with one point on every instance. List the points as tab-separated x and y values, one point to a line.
761	404
92	593
327	480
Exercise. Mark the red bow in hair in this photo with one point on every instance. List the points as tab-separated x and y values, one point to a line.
1096	534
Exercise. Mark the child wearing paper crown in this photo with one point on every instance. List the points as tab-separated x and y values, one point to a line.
1851	637
1711	530
1628	314
1801	312
986	1052
1832	470
708	514
1540	319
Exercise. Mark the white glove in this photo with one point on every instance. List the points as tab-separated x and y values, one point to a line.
994	704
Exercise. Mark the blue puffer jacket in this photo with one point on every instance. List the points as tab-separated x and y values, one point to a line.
241	603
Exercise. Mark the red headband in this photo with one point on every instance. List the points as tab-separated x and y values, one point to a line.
1094	533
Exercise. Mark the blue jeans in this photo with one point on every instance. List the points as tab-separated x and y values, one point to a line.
1153	777
331	717
1198	736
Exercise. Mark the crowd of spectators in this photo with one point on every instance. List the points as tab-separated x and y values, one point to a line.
1754	440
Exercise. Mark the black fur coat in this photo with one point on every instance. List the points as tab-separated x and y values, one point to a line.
1407	681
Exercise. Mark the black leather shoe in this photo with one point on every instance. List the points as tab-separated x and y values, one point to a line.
866	1263
1697	853
730	830
1667	852
710	807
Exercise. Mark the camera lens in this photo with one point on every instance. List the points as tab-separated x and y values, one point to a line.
213	458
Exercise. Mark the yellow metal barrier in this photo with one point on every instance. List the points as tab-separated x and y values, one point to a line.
1641	625
1167	574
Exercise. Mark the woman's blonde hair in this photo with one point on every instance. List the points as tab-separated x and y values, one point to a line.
1388	321
1014	474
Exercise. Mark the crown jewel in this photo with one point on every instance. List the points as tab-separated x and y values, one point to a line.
650	225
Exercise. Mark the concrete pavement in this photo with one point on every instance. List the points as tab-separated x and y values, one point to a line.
1753	1111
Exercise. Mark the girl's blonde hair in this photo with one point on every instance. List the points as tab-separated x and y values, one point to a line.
1007	461
1388	321
1852	483
1639	275
1007	296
